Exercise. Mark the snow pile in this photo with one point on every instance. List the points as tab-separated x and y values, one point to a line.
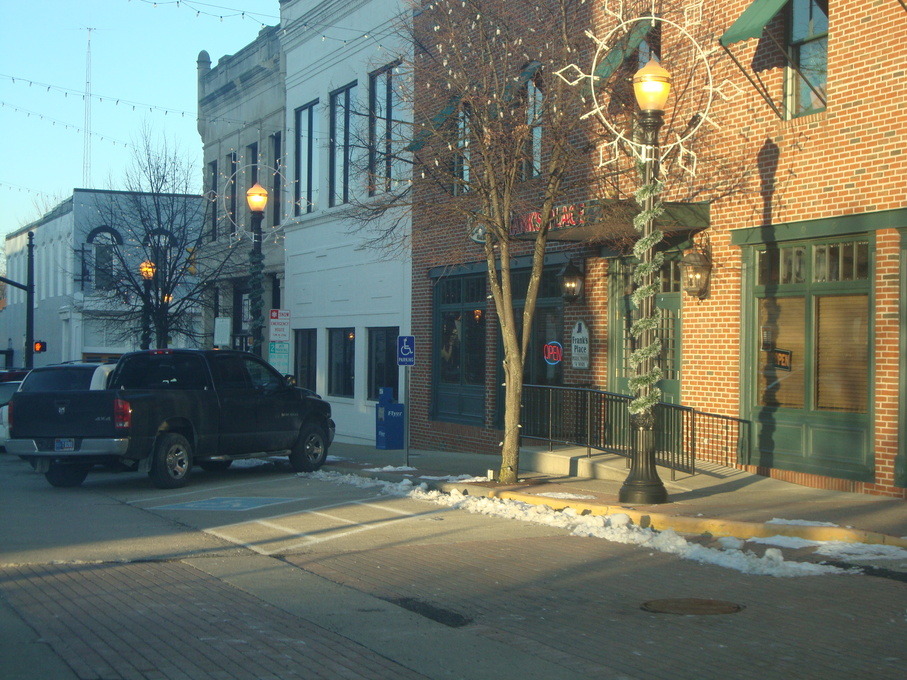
617	528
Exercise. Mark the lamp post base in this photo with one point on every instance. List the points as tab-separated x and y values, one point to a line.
643	486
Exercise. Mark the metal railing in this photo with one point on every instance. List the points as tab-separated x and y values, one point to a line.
578	416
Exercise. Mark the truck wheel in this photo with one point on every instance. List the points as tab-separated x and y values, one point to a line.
171	461
214	465
310	450
66	475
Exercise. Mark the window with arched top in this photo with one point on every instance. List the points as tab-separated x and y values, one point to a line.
103	243
159	245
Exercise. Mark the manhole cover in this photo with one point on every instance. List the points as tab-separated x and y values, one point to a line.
692	606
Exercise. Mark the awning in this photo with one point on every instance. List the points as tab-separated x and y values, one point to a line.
752	21
609	219
624	47
453	104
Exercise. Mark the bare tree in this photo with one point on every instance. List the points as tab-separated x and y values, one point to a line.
149	275
499	134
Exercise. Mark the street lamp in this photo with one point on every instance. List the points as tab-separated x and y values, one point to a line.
147	269
652	86
257	198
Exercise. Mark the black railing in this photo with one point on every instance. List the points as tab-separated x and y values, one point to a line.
578	416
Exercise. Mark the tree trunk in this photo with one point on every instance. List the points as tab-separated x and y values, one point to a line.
513	398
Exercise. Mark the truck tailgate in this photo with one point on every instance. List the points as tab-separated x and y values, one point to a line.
63	414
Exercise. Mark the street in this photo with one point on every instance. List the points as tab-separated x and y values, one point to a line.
259	573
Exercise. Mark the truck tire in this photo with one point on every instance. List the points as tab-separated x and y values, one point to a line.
65	475
171	461
310	450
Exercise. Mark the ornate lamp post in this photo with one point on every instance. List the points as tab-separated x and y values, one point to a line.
147	270
257	198
652	86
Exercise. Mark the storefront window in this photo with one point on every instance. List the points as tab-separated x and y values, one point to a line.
460	317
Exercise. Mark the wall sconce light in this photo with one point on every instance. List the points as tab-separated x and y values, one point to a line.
571	280
697	271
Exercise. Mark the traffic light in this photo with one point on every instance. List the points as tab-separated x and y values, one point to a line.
40	346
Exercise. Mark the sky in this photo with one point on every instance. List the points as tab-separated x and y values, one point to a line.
143	74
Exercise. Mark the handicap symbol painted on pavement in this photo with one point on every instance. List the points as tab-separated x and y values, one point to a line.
226	503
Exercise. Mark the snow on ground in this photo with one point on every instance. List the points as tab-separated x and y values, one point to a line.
619	529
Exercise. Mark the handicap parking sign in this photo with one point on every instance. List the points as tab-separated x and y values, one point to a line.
406	350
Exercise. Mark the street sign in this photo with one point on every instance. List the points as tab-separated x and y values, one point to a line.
279	321
406	350
279	356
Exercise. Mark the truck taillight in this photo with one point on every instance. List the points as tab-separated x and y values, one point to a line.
122	414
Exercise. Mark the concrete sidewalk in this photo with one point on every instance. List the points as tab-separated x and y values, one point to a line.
717	500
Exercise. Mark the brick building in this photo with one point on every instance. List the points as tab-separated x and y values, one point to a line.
797	205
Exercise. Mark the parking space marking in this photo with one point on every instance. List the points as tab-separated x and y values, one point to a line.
227	503
196	491
306	539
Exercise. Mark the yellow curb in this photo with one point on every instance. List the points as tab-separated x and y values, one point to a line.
703	525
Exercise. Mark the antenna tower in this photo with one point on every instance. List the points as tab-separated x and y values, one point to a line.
86	151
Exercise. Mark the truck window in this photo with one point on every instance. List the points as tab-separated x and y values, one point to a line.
162	371
230	373
263	376
58	379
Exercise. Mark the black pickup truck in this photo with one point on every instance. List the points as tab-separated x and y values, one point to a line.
167	410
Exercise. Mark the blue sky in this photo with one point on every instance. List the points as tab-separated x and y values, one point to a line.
143	56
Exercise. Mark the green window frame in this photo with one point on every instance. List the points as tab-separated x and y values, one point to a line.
807	44
814	323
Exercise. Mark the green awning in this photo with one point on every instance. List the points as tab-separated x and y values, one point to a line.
622	49
435	124
752	21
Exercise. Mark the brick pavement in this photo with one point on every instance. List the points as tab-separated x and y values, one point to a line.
170	621
576	602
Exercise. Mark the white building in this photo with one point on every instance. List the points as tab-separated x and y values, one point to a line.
241	123
73	264
348	301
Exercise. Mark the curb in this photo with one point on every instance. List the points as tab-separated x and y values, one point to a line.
683	524
655	520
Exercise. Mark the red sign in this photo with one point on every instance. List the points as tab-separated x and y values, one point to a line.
553	352
564	217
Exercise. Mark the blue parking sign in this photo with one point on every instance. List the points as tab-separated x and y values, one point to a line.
406	350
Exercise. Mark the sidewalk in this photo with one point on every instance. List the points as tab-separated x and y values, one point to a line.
717	500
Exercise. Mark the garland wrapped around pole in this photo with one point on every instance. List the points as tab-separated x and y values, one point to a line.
643	484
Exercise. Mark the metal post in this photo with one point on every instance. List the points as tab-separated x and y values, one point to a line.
643	484
256	282
30	302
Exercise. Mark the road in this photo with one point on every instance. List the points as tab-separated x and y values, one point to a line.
259	573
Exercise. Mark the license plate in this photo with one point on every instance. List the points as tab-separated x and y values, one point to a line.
68	444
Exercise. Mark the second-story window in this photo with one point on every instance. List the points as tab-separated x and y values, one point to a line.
341	143
533	159
276	178
461	165
104	242
306	194
383	105
212	199
231	189
808	45
252	162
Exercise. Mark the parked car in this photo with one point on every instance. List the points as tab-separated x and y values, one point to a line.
69	376
13	374
7	389
166	410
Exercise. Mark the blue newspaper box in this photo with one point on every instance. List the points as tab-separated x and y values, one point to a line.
388	420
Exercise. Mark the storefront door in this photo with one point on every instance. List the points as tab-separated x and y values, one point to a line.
808	357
